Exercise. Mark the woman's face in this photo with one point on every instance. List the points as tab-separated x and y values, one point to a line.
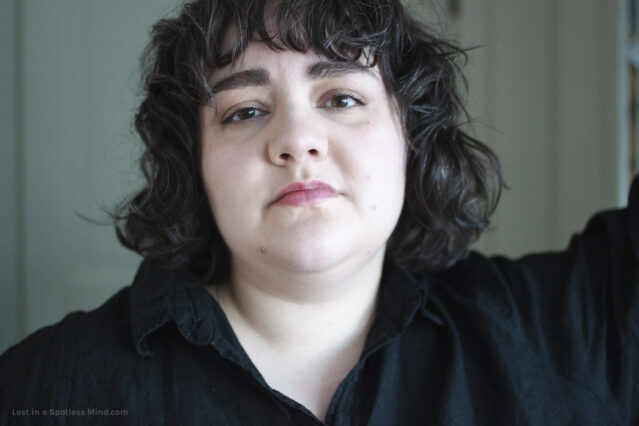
303	160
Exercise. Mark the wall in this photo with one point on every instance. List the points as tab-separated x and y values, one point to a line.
10	182
69	92
544	84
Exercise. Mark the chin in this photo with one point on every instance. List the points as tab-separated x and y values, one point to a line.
310	255
322	252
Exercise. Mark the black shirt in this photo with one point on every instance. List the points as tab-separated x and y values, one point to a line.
549	339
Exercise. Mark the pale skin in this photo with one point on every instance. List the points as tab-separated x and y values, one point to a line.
304	278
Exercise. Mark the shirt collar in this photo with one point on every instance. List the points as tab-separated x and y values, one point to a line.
402	296
159	295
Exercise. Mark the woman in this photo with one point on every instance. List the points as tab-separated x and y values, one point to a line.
309	205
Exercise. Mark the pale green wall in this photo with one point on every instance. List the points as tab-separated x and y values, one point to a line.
75	88
9	182
544	84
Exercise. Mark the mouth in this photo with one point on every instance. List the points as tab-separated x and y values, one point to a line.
303	193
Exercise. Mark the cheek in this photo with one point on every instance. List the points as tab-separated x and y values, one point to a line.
377	160
235	209
375	166
213	173
222	174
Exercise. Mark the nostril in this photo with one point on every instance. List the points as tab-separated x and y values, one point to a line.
285	156
313	152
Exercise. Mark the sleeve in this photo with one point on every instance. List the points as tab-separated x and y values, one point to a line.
570	316
580	308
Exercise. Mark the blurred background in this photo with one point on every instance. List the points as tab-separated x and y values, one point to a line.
551	86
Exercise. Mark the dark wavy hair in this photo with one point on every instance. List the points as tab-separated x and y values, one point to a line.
453	180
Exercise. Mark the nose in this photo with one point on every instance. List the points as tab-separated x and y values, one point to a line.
296	138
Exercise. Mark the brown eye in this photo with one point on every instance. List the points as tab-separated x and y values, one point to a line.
342	101
243	115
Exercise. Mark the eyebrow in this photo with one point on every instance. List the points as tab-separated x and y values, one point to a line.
325	69
238	80
260	77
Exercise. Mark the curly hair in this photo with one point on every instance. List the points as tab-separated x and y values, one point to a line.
453	181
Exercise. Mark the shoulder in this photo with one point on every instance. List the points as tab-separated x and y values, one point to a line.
79	330
602	257
50	363
572	313
573	301
562	323
597	274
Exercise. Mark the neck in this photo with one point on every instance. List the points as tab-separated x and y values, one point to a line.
292	312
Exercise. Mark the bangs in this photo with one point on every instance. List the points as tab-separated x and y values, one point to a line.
336	29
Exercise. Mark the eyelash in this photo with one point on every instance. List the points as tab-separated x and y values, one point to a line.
230	117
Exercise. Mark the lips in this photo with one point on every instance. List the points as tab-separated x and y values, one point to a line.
303	193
